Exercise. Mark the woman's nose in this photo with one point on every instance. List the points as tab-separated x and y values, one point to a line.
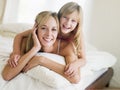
49	32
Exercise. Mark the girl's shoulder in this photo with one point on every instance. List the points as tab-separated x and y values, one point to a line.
67	47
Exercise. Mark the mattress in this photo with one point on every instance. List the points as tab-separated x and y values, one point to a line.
88	80
24	82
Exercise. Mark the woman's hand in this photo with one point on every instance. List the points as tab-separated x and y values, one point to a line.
35	61
71	69
35	38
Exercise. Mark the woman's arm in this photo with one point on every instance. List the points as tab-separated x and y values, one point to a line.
50	64
58	68
9	72
67	51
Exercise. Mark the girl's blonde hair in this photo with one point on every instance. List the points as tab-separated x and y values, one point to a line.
69	8
40	20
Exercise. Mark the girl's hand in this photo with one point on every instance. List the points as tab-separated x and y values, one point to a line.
71	69
13	61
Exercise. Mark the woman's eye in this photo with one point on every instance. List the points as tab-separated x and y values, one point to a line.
43	28
54	29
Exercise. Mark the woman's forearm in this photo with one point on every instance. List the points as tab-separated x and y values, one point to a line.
58	68
10	72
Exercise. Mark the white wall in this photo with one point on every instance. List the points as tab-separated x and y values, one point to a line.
11	11
28	9
104	30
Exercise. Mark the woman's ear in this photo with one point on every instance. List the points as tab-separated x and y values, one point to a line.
35	25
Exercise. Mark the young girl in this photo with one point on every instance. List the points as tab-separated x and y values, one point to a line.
44	40
70	17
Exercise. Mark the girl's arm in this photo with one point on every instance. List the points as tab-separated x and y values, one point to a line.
18	41
72	67
72	64
18	47
81	61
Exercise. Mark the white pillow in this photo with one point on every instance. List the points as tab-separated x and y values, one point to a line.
97	60
11	29
7	34
48	76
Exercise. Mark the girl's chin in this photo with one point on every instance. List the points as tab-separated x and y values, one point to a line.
65	31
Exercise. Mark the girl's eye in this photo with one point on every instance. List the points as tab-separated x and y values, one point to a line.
73	20
64	17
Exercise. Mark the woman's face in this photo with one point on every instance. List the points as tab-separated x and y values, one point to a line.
68	22
48	32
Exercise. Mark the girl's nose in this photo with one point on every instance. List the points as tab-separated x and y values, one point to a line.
68	22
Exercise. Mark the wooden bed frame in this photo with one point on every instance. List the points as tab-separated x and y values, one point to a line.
102	82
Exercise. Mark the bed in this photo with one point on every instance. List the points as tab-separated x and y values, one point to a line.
96	74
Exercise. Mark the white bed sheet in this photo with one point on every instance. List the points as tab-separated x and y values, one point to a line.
24	82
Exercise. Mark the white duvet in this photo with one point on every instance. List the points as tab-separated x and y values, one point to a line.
96	60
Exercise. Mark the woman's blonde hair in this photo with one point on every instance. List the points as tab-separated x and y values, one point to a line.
67	9
40	20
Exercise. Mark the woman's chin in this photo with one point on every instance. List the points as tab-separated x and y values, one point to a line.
48	45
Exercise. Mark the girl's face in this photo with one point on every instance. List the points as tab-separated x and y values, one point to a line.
48	32
68	22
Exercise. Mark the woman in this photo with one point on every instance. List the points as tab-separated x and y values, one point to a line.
47	18
70	17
